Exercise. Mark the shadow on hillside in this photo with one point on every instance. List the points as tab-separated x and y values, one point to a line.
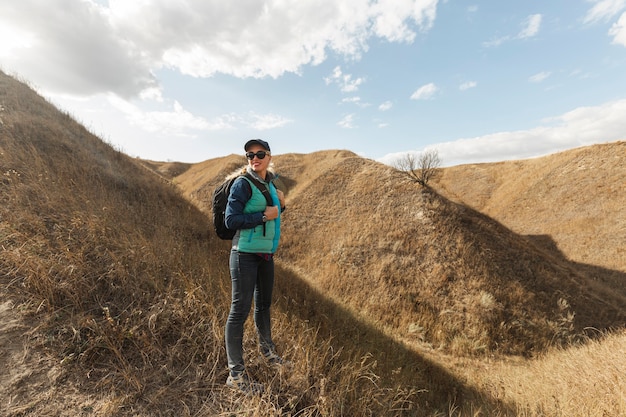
438	389
605	305
608	282
596	294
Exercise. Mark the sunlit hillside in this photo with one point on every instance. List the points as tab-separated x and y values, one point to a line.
114	294
99	272
577	198
428	271
391	299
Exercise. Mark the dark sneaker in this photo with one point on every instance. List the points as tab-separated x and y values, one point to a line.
273	359
244	384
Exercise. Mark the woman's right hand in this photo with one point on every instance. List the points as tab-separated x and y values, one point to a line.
271	212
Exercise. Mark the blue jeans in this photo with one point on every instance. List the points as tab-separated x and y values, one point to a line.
252	278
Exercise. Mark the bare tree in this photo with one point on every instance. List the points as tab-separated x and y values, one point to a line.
420	167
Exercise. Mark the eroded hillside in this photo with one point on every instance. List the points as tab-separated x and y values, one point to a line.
429	271
99	258
114	296
114	293
576	198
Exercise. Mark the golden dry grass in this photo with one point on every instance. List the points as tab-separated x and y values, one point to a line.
427	270
575	197
587	380
126	293
391	299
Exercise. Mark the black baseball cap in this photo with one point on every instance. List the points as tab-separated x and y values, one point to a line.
258	142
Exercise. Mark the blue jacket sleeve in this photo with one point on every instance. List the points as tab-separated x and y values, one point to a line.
235	219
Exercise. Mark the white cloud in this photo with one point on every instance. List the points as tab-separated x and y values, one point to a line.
539	77
345	81
532	25
179	122
387	105
74	48
154	94
268	121
14	39
604	10
496	42
425	92
618	30
467	85
86	47
392	18
353	100
579	127
347	122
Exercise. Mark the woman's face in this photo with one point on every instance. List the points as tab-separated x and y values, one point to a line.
257	164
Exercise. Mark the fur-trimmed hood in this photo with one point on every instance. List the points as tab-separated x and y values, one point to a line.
271	174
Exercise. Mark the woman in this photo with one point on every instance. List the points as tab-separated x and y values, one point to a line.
252	262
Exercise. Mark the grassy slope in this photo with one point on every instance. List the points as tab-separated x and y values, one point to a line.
102	254
129	290
126	293
574	197
427	269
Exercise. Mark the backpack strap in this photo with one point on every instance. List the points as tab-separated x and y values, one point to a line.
264	190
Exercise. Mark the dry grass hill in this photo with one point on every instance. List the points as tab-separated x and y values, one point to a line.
424	269
576	198
391	299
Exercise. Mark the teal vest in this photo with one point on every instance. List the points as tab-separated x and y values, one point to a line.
254	240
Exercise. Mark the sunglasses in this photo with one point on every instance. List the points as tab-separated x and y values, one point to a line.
259	154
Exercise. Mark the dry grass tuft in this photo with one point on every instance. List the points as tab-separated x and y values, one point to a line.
584	381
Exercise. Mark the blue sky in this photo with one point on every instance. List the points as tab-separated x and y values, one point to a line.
190	80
